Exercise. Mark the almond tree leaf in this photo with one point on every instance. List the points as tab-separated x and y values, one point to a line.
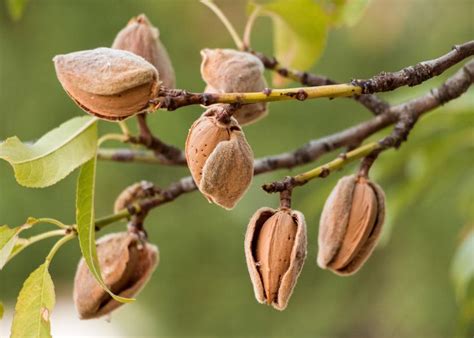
462	271
53	156
8	241
16	8
347	12
34	305
299	31
85	220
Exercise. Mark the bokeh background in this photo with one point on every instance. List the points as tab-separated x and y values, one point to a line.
201	287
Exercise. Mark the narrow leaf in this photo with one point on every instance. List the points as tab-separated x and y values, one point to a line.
34	306
53	156
300	31
347	12
16	8
86	225
2	310
8	241
463	268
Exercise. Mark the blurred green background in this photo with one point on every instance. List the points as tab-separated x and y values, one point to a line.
201	287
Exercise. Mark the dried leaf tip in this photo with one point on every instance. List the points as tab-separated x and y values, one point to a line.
108	83
275	250
350	225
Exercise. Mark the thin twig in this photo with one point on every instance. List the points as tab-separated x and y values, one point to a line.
173	99
408	113
455	86
411	76
168	153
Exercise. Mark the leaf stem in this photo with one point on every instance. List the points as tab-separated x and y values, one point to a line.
338	163
233	33
104	221
183	98
124	127
25	242
51	221
112	137
249	26
58	245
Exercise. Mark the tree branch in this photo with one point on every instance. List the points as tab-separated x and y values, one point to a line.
404	115
414	75
407	115
372	102
411	76
173	99
167	153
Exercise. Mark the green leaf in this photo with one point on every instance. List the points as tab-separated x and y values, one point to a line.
8	241
2	310
300	31
16	8
85	220
53	156
347	12
462	271
34	305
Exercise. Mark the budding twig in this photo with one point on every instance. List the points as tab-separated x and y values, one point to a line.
455	86
411	76
169	153
323	170
408	114
172	99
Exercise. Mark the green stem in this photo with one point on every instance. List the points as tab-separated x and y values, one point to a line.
337	163
25	242
233	33
104	221
51	221
299	94
124	127
58	245
249	26
112	137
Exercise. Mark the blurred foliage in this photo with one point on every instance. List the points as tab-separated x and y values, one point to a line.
201	287
463	278
16	8
299	36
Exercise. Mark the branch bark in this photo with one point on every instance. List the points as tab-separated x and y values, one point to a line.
407	114
402	114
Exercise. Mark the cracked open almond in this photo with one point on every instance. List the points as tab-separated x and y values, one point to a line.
108	83
219	158
350	225
142	38
126	265
275	250
232	71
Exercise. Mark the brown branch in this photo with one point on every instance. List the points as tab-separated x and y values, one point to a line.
407	114
404	115
409	76
167	154
414	75
370	101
